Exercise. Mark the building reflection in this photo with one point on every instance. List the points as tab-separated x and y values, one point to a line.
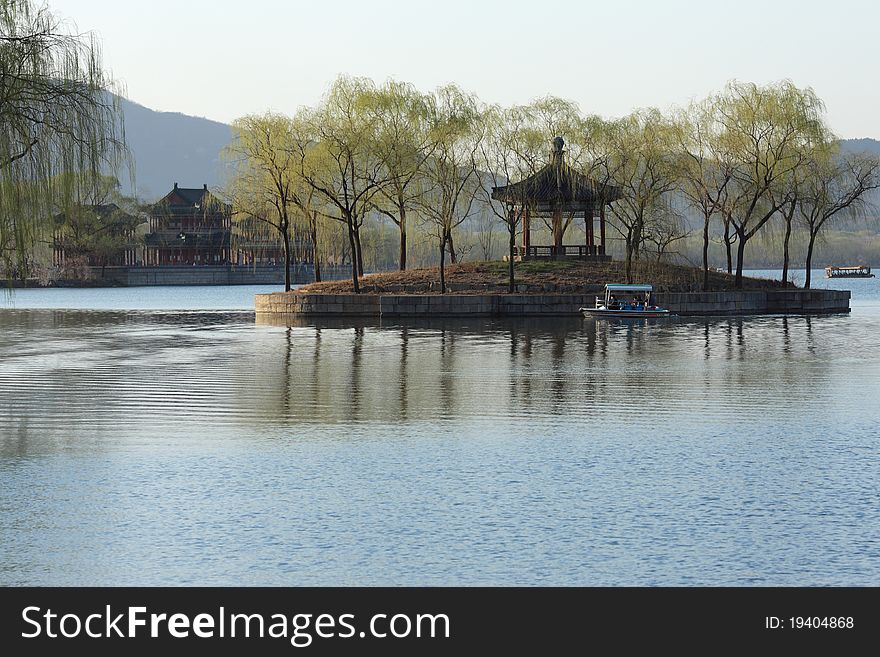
178	373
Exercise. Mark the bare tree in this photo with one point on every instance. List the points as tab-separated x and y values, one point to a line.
832	187
665	227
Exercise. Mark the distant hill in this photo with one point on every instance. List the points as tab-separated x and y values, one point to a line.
865	145
861	145
170	147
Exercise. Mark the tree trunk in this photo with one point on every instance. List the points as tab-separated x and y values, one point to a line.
636	241
452	257
315	259
629	253
727	245
351	244
358	250
511	228
443	264
402	238
285	235
785	250
809	262
558	233
740	253
706	253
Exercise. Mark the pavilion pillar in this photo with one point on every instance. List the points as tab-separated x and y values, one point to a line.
589	228
527	230
602	227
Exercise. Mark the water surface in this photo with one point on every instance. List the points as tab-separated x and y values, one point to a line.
162	436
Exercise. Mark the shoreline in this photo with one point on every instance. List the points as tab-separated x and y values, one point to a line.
742	302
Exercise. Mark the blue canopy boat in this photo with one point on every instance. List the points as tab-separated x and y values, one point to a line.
626	301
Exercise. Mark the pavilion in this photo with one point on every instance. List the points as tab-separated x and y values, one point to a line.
561	193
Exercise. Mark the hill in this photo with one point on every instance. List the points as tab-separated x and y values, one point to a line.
865	144
171	147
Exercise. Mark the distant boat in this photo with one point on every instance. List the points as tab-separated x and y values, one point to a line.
859	271
625	301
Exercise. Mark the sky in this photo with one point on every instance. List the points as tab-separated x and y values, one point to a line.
221	59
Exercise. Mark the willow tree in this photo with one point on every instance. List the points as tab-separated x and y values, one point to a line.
263	183
56	116
99	225
500	164
341	163
768	132
643	166
451	178
704	167
403	143
832	185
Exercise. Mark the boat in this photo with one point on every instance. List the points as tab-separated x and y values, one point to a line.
622	300
858	271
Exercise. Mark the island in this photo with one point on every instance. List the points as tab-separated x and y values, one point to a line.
544	288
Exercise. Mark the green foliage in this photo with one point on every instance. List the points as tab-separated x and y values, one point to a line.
56	117
381	161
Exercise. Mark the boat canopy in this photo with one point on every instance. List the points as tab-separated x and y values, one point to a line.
629	288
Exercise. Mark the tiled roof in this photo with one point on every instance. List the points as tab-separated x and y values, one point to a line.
186	198
557	185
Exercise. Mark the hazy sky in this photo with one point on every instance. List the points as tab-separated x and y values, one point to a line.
222	59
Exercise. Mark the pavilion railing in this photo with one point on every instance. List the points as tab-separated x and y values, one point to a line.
566	251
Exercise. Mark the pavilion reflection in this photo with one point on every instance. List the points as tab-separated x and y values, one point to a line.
340	370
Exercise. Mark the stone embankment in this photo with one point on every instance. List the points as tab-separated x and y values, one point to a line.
743	302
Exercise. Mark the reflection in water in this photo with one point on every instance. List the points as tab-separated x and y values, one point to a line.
201	447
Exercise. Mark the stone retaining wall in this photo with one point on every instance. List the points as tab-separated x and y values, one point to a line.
524	305
215	275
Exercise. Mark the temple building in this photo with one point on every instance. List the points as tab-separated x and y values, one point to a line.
189	227
96	235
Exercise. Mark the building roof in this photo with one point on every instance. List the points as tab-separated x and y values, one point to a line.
557	186
187	199
106	211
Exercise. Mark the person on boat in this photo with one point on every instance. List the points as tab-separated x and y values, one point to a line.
613	303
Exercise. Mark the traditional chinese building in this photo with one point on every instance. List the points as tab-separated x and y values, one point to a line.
257	244
189	227
560	193
97	235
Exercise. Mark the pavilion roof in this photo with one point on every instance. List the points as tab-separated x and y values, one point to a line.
557	186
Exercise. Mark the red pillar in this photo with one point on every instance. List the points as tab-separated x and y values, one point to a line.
602	228
589	228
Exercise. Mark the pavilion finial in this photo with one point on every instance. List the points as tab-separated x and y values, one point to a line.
556	153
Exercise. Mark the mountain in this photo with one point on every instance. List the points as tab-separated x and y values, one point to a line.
170	147
866	145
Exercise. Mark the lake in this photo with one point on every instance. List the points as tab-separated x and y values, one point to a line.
162	436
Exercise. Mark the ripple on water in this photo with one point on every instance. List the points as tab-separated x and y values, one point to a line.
181	447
